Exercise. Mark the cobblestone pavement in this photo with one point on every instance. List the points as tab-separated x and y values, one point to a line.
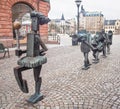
64	84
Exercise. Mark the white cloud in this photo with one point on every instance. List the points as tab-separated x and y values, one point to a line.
109	8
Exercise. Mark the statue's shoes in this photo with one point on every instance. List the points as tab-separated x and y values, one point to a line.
35	98
85	68
96	61
93	59
89	64
104	56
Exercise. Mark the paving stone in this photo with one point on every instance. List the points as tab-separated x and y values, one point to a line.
64	84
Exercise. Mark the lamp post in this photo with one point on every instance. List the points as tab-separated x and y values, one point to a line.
78	2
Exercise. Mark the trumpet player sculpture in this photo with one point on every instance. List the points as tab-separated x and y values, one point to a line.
34	58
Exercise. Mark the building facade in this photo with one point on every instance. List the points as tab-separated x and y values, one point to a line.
109	25
113	25
10	10
91	21
117	26
62	26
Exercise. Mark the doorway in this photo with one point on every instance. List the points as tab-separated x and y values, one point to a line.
21	12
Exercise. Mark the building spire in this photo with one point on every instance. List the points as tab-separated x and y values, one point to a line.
62	18
82	10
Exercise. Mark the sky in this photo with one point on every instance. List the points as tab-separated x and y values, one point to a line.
109	8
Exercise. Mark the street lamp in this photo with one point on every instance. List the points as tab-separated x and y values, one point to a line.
78	2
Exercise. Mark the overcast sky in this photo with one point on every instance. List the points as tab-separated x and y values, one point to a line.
109	8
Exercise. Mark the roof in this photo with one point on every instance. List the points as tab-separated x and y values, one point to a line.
87	13
95	13
109	22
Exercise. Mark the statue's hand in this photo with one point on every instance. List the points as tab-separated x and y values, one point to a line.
18	53
95	49
42	54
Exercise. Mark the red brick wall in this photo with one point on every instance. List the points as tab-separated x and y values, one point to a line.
6	16
44	7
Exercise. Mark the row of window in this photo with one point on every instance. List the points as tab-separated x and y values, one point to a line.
109	27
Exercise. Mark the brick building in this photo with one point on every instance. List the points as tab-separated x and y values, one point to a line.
15	9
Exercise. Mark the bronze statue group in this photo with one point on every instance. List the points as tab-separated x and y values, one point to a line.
35	52
100	43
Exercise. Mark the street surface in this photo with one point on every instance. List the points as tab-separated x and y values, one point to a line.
64	84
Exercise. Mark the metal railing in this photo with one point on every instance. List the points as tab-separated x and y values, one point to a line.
55	38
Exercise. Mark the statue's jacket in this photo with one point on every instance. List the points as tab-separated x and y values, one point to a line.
84	47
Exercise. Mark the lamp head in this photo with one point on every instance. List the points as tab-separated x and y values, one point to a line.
78	2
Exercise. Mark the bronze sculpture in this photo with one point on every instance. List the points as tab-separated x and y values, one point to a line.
95	44
104	41
98	44
109	41
34	57
84	38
